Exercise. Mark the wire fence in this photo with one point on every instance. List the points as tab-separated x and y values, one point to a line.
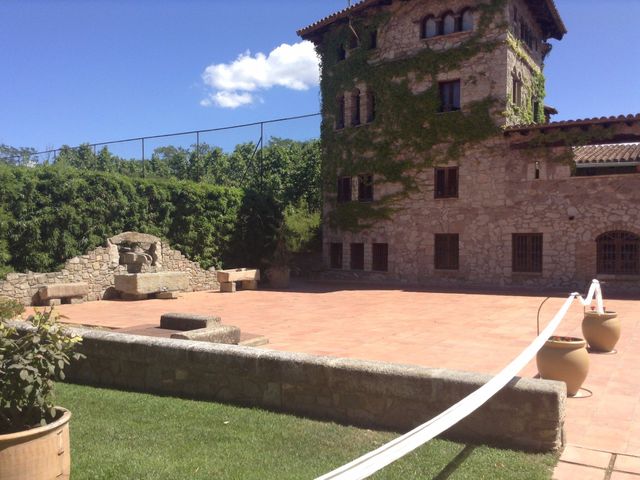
143	142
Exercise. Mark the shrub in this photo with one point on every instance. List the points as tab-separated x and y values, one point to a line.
29	363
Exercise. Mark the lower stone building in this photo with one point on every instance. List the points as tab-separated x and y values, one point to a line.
524	208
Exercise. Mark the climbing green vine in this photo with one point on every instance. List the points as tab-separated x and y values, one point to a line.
408	134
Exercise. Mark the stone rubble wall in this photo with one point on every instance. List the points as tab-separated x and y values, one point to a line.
97	268
499	196
527	414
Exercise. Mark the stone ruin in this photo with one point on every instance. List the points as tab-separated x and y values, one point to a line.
131	266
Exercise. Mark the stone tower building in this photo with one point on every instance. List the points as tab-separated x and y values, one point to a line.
440	165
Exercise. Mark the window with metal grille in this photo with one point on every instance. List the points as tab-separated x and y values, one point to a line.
526	252
357	256
450	96
446	255
618	253
344	189
335	255
380	257
365	188
446	182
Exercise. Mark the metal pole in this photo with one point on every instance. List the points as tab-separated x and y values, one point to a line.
197	145
143	166
261	156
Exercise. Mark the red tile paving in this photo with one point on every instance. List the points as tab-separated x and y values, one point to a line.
464	331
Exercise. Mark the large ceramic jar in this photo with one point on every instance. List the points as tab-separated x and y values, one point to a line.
38	454
564	359
601	330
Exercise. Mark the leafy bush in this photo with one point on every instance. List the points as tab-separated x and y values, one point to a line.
49	214
9	309
29	364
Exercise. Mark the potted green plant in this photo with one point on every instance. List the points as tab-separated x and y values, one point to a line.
34	434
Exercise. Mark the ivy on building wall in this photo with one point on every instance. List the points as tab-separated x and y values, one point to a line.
409	134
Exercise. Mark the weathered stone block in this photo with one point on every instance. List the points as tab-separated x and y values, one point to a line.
226	334
238	274
167	295
139	283
63	290
228	287
133	297
188	321
249	284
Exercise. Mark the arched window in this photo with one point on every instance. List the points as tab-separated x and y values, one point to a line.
355	107
342	53
429	27
371	106
340	112
448	24
467	20
618	253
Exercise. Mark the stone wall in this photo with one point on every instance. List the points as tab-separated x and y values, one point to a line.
97	268
499	196
527	414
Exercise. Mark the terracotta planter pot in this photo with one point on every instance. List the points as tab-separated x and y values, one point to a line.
601	330
564	359
37	454
278	277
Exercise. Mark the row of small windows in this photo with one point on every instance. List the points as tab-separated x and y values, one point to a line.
379	256
448	23
365	188
350	111
445	185
618	253
352	104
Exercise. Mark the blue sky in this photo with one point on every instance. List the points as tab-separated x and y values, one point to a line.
96	70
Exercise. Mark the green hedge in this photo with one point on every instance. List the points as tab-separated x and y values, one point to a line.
49	214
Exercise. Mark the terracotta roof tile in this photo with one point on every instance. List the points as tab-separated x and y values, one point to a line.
574	123
545	10
619	153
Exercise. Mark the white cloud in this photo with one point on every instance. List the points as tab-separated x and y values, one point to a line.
290	66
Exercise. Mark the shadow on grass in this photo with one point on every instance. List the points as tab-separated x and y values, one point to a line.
454	464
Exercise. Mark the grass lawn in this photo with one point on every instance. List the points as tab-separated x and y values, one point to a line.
122	435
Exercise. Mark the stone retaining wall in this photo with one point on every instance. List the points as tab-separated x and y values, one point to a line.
527	414
97	268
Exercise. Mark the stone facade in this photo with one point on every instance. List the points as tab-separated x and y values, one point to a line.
98	267
526	414
505	186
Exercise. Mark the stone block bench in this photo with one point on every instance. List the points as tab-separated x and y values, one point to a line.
138	286
188	321
58	293
249	279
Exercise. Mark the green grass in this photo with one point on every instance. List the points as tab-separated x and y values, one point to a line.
122	435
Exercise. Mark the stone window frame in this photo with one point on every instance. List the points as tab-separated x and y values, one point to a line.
344	190
446	251
458	18
517	89
336	255
447	91
610	252
356	261
380	257
446	184
365	187
527	251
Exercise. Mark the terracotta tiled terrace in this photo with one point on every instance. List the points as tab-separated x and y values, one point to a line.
471	331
